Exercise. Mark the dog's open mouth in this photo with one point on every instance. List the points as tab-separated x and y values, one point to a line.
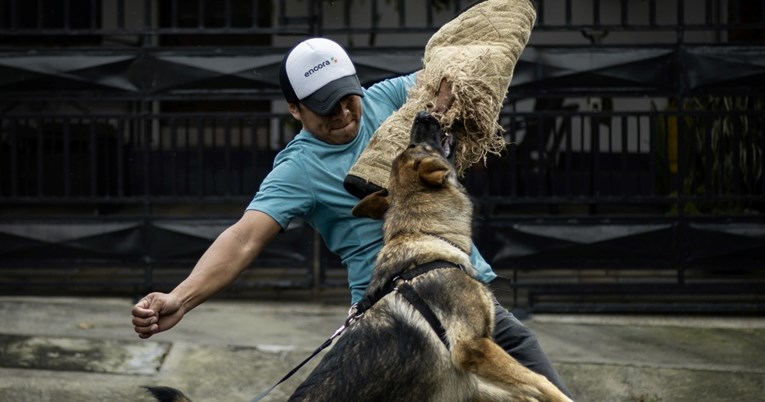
426	130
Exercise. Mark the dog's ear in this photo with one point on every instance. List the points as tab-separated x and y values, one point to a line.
433	172
372	206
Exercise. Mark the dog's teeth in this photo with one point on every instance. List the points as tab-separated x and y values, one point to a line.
446	144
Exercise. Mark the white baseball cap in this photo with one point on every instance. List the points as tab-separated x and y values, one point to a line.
318	73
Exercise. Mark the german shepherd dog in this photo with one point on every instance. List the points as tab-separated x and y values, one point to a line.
394	352
426	330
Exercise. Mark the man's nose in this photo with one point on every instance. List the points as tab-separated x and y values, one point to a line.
340	111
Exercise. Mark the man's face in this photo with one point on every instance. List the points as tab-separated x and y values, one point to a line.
339	127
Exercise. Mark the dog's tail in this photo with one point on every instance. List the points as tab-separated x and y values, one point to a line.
167	394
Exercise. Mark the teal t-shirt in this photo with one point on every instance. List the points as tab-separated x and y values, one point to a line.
307	182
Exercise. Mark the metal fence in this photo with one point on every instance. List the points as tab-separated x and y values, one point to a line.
146	22
132	133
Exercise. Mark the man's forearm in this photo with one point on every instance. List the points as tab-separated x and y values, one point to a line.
218	267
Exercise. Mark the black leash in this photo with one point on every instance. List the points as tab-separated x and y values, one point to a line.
358	309
348	321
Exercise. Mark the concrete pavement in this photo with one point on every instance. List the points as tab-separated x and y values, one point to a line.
84	349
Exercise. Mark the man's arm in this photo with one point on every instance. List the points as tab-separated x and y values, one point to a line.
218	267
444	96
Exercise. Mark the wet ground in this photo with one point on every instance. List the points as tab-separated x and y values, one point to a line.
84	349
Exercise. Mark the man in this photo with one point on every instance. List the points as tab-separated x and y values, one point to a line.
339	118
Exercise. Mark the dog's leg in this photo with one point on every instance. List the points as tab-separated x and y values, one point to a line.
504	375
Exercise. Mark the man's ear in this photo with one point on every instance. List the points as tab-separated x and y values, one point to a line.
372	206
433	172
294	109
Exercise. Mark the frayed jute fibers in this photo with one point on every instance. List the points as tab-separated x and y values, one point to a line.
476	52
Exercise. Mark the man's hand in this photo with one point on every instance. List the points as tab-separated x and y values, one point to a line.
155	313
444	98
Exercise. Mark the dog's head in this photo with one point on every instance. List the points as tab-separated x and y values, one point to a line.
423	185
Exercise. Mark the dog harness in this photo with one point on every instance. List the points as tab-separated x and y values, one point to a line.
401	284
398	284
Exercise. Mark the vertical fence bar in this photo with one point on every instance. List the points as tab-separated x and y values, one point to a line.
240	151
66	15
40	13
255	14
683	155
200	154
94	20
570	174
624	13
66	168
596	13
541	12
595	149
626	171
121	15
762	147
227	156
652	13
40	157
734	12
93	159
541	152
173	14
680	21
146	37
120	157
200	14
708	156
568	13
375	20
736	135
401	14
428	13
174	152
227	16
3	161
14	158
13	16
347	13
513	153
147	168
187	156
316	13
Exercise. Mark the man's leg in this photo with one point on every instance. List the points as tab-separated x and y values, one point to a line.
522	345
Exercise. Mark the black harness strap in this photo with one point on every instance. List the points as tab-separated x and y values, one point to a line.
407	291
416	301
370	299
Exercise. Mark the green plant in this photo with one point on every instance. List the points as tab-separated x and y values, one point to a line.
726	153
716	144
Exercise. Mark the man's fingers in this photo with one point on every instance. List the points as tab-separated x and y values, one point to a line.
145	318
146	332
142	312
139	321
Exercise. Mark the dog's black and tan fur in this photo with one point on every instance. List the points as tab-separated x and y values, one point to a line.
392	353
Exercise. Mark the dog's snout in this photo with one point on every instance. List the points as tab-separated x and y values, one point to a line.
425	118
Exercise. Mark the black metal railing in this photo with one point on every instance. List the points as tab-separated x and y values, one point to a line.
133	132
144	23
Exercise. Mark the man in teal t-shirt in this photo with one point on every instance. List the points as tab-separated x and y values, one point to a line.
339	118
307	181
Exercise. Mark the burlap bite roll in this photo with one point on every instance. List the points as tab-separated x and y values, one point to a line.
476	52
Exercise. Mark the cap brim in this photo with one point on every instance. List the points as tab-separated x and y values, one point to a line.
324	100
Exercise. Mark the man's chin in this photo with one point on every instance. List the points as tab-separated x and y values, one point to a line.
345	134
